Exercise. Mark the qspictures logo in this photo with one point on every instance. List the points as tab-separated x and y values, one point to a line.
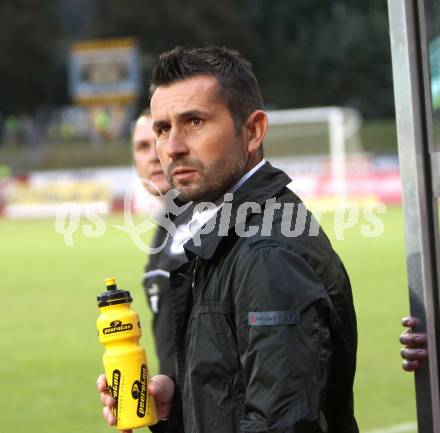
139	392
290	219
117	326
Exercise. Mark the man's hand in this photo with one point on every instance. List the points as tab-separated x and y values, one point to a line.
415	349
161	387
107	400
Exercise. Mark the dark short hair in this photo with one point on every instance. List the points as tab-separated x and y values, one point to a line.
238	85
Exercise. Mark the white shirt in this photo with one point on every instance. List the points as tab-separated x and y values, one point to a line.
199	219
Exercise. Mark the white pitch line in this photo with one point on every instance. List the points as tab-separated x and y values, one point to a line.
397	428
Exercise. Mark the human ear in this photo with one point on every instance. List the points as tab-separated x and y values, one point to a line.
256	127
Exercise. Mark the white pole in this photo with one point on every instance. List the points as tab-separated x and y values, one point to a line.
337	151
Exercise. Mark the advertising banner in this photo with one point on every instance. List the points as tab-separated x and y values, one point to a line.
104	71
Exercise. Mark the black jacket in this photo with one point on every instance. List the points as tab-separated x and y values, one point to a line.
265	325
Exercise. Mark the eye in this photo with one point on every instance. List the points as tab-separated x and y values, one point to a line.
163	130
143	145
195	121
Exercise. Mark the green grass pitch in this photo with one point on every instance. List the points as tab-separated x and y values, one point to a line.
50	355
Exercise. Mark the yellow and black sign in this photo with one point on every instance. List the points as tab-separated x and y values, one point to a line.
57	192
104	71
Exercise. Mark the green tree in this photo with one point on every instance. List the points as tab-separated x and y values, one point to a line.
305	53
29	35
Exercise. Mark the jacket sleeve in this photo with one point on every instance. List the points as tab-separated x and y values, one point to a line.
284	341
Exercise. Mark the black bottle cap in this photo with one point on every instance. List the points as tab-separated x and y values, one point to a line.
113	295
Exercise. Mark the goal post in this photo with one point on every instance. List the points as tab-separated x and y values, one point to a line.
336	128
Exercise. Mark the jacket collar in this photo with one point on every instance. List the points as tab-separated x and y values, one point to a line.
264	184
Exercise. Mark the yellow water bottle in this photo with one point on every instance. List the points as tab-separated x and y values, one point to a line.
125	362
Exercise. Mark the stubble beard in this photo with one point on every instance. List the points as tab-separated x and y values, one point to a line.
214	180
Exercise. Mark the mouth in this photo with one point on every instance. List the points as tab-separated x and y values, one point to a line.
183	173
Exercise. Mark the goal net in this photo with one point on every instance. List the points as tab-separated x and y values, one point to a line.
311	138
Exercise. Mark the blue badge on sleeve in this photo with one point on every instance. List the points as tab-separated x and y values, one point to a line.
265	318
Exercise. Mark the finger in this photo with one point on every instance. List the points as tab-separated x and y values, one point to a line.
155	387
107	399
108	416
163	410
414	354
410	365
103	398
413	340
162	388
409	322
101	383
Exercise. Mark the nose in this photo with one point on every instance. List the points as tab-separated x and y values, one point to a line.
176	145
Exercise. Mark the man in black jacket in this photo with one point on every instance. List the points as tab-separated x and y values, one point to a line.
265	325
